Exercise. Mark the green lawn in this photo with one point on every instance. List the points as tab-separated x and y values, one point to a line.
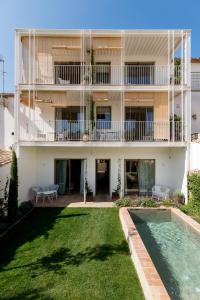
71	253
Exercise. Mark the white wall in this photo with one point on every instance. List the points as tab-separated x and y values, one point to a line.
37	164
195	110
26	172
7	123
4	173
195	103
195	156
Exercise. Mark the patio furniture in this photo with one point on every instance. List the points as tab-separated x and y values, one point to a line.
50	195
38	194
160	192
54	188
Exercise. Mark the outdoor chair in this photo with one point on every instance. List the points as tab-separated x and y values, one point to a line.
160	192
38	194
54	188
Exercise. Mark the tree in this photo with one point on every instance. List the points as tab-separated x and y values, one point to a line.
13	189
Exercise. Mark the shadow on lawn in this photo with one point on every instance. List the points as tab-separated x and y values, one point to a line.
62	257
38	223
31	294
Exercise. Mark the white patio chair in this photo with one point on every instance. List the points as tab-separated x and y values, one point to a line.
160	192
54	188
37	191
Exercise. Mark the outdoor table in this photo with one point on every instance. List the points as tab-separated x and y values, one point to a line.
49	194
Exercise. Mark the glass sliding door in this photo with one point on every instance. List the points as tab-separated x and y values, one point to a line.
69	175
139	73
61	174
146	176
138	123
69	122
139	176
131	177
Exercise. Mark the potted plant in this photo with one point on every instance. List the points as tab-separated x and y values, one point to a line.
178	198
86	80
115	195
89	193
85	136
116	192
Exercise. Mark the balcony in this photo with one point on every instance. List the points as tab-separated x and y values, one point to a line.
106	74
102	131
195	80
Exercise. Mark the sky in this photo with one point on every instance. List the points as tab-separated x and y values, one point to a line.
92	14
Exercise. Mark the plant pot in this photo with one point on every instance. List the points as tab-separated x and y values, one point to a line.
89	197
179	200
85	137
115	196
85	82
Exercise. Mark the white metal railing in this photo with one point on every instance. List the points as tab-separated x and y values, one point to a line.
102	74
106	131
195	80
146	75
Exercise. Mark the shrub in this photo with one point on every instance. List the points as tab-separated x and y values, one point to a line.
169	202
123	202
4	200
194	188
13	189
127	202
149	203
25	206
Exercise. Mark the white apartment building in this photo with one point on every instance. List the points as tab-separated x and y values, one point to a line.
104	109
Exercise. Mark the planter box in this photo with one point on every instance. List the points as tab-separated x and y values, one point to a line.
89	197
115	196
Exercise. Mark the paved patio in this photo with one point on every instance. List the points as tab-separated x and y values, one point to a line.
76	201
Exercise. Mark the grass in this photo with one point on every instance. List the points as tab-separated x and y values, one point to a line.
71	253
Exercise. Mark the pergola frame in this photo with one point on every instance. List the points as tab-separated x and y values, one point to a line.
184	89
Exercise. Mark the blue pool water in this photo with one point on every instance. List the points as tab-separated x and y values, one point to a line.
174	248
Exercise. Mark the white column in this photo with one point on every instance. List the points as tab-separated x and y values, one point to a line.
182	82
84	180
122	178
122	83
169	84
17	58
173	70
17	115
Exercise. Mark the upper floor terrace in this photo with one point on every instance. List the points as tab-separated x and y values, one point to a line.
102	118
99	59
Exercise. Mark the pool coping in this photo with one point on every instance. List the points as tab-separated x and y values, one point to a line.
186	219
152	285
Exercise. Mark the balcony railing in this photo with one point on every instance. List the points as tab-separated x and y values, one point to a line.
195	80
108	75
105	131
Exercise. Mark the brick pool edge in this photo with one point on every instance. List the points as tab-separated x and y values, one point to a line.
152	285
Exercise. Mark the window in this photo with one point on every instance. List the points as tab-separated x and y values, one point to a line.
102	72
103	117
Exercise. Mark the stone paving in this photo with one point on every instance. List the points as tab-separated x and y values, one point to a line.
76	201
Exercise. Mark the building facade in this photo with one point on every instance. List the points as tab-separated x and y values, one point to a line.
103	110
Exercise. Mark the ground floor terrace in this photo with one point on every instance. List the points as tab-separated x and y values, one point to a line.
100	172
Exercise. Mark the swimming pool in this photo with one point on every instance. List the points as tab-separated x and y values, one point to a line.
174	247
